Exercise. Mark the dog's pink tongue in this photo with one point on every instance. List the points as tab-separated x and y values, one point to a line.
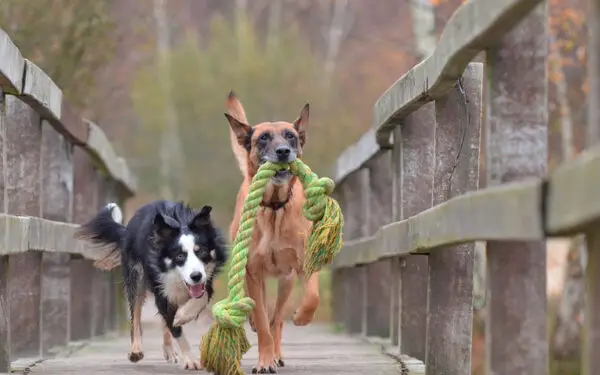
196	291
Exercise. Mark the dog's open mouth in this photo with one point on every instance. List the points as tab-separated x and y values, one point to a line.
196	290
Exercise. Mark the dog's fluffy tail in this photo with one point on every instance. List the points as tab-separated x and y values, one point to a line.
106	230
235	109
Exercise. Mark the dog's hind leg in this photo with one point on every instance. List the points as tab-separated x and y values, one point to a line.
284	290
135	291
168	310
310	301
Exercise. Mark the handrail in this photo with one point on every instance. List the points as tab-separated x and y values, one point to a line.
21	77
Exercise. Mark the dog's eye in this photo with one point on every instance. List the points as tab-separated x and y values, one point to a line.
265	137
180	257
289	135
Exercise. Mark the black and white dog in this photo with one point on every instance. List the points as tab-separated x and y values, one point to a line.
172	251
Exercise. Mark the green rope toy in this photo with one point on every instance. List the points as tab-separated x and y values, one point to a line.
225	343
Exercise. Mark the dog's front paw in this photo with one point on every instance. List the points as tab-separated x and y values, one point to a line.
169	353
265	365
182	317
191	365
280	362
136	356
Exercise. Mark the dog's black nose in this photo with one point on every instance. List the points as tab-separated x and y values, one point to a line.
196	276
282	152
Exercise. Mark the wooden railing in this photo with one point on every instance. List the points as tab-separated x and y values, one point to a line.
56	170
415	204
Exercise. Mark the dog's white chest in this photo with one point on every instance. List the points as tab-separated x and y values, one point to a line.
174	289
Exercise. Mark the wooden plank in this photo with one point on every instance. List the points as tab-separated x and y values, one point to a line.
378	196
57	194
24	233
313	349
99	147
418	132
590	360
450	298
41	93
572	192
23	141
476	25
485	215
72	126
354	157
516	120
11	65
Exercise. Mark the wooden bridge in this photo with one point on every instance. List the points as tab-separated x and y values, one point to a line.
418	189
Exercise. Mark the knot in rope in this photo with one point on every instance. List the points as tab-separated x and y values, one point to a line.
232	314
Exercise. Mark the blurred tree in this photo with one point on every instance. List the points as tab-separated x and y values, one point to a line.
273	83
68	39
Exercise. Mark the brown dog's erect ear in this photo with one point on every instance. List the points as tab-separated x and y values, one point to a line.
301	124
240	129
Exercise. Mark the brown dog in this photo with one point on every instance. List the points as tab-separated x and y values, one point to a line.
280	231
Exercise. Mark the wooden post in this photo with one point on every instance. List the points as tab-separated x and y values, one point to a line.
57	194
396	263
337	274
82	270
450	311
113	283
23	147
356	191
4	318
100	278
516	120
4	312
357	280
591	335
418	131
378	274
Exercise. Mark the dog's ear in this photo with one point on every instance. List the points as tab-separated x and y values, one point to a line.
201	219
301	124
241	130
165	226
